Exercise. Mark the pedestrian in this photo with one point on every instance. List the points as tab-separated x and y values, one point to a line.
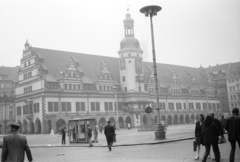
101	128
210	135
52	133
233	130
199	135
219	127
15	146
223	123
63	132
89	135
96	129
109	133
129	126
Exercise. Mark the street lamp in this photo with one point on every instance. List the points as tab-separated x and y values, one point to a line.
152	11
115	93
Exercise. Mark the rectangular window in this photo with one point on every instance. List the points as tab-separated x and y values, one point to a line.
198	106
204	106
70	86
184	105
218	106
55	106
179	106
50	107
191	106
74	86
171	106
79	86
19	110
69	106
123	78
93	106
24	109
65	86
110	106
210	106
97	106
77	106
106	106
214	106
30	108
82	106
63	106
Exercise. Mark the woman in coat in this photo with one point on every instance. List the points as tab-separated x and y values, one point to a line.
210	134
199	135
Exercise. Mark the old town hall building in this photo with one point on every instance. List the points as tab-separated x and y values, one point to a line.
55	86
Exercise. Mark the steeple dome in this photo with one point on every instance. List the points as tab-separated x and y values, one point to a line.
129	43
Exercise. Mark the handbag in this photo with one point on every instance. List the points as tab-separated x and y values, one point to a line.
114	138
222	140
194	145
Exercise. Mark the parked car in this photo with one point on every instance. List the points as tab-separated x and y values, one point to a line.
1	140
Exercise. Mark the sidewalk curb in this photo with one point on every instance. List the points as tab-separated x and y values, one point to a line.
120	145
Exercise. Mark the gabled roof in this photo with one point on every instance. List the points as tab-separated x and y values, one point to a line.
56	62
9	73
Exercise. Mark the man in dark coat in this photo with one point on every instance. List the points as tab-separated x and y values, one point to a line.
63	131
15	146
109	132
219	130
210	133
233	129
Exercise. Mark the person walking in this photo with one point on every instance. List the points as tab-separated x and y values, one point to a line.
210	137
96	129
63	132
199	135
52	133
223	123
129	126
109	132
89	135
101	128
233	130
15	146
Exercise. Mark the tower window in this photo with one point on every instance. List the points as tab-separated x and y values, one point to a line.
129	55
123	78
129	61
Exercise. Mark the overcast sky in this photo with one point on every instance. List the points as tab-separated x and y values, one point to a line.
187	32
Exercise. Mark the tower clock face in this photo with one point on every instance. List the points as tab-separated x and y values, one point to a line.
138	64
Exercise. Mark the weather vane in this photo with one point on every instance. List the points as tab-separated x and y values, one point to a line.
128	8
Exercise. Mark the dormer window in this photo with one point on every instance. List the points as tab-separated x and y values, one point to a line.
74	75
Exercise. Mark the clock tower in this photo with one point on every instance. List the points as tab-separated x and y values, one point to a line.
130	62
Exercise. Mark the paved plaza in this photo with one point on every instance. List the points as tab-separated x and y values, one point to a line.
124	137
130	146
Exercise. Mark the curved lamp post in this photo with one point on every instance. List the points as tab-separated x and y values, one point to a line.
152	11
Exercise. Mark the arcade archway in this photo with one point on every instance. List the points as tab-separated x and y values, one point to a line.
37	126
181	120
60	123
169	120
121	122
175	121
102	122
128	120
187	119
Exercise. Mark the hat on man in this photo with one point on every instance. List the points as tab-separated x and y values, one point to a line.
14	125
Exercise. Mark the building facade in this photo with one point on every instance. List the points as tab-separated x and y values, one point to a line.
8	79
55	86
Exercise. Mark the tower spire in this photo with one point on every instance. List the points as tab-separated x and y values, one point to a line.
128	24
